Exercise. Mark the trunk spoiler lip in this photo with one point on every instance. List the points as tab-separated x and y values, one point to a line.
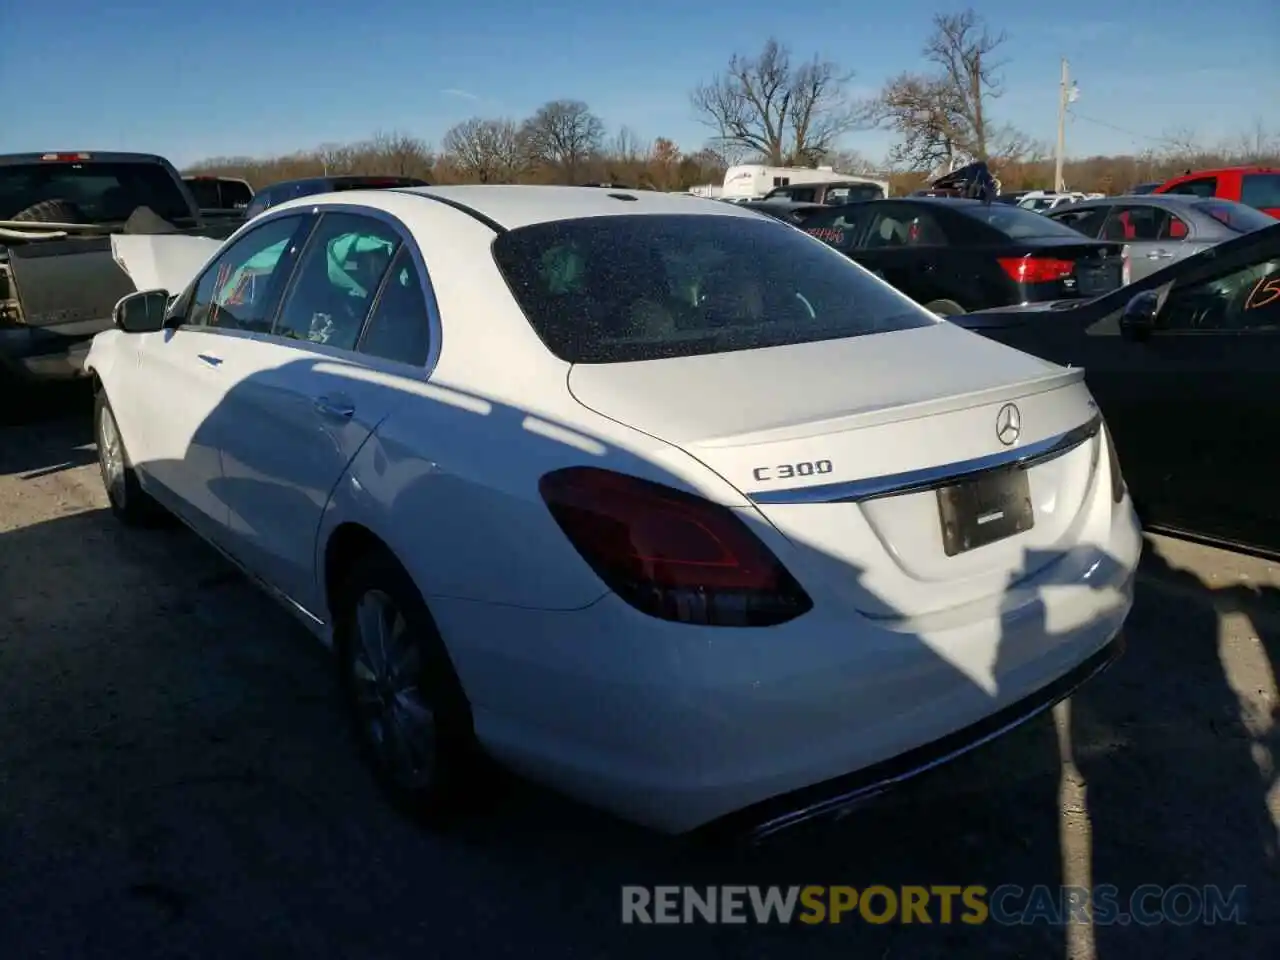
1053	379
931	478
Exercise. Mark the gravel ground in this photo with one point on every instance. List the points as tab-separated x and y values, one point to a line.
176	781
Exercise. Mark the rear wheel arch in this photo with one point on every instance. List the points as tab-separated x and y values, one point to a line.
346	545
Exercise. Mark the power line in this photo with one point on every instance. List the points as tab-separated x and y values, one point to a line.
1128	133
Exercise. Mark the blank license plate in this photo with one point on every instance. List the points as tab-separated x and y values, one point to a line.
983	510
1095	281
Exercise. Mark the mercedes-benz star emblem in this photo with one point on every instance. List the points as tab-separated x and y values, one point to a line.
1008	424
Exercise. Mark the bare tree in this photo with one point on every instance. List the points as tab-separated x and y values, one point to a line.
490	151
725	153
563	134
627	148
851	161
1257	145
783	112
397	153
334	158
944	117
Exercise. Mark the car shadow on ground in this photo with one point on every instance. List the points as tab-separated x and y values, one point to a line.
178	781
47	428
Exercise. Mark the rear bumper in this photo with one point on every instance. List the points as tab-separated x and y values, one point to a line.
681	727
834	798
44	353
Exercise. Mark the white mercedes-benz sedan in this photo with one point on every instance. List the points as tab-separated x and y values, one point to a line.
655	500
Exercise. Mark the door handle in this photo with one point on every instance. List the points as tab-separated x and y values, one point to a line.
209	359
1160	255
340	409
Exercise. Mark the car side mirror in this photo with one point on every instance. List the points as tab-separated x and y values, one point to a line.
141	312
1140	316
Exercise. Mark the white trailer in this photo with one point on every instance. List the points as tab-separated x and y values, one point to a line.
751	181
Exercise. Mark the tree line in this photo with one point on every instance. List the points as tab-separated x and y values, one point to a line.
773	108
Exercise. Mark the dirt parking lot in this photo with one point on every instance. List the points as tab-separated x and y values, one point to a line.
176	781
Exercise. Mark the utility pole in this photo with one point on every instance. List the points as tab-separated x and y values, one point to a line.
1064	92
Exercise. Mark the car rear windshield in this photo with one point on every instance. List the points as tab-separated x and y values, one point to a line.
645	287
1016	223
93	192
1235	216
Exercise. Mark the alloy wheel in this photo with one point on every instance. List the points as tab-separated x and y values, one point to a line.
387	675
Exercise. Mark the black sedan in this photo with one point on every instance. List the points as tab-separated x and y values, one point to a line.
788	211
955	256
1185	365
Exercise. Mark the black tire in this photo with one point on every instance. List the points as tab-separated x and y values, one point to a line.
129	502
56	210
443	779
945	308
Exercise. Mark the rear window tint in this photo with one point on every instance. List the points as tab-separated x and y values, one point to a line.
205	192
1016	223
106	191
235	194
645	287
1237	216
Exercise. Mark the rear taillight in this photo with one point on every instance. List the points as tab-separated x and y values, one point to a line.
1118	487
670	554
1037	269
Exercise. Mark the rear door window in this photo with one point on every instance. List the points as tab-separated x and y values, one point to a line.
643	287
1139	223
903	225
400	327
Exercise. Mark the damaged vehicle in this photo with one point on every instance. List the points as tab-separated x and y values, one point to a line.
58	277
579	479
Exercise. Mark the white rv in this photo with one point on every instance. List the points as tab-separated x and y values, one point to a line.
753	181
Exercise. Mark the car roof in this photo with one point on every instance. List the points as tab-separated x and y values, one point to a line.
1243	168
90	156
513	206
1146	199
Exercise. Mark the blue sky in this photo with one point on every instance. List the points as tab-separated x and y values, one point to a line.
192	80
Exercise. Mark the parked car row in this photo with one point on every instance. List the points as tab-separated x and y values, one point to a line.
1181	344
465	433
955	256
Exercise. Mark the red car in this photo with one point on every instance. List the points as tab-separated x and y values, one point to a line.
1257	187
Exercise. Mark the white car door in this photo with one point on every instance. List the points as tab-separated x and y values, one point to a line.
183	378
350	342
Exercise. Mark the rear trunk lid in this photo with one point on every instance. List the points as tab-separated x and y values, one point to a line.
842	445
1052	268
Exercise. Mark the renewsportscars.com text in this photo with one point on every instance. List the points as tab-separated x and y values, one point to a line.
1008	904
